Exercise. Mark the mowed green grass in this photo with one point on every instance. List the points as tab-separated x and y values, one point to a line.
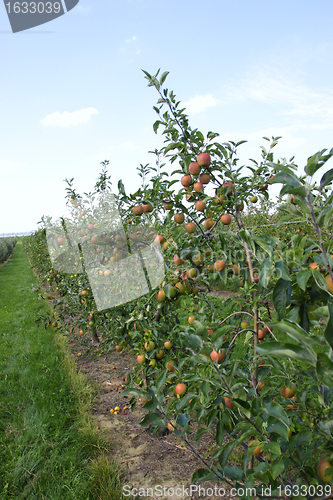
50	448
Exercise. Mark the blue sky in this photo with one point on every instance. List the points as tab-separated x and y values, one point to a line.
73	93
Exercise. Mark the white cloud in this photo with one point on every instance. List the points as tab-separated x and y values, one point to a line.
312	107
106	155
200	103
9	166
131	39
84	10
68	119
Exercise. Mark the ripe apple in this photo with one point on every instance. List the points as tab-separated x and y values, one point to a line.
148	208
226	219
260	386
229	184
288	392
180	287
190	227
179	218
198	187
169	366
204	178
228	403
168	344
329	284
257	450
81	232
314	265
262	333
160	296
208	224
119	348
149	346
219	357
200	205
191	273
194	168
322	466
60	241
190	319
256	278
219	265
140	359
244	324
210	331
253	199
159	238
186	180
204	159
177	260
94	240
263	187
180	389
137	210
160	354
171	426
107	272
168	205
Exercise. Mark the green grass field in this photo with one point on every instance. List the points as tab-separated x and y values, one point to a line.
50	447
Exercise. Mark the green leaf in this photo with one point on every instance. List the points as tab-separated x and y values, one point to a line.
275	410
277	468
273	447
283	178
282	270
319	279
316	161
296	332
293	351
200	328
225	453
156	125
151	418
203	475
302	278
325	370
163	77
173	145
303	437
326	179
233	472
219	433
281	296
329	328
279	428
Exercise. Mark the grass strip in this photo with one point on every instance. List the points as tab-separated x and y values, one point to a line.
50	447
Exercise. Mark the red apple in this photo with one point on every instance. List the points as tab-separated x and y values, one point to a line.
194	168
186	180
226	219
204	159
204	178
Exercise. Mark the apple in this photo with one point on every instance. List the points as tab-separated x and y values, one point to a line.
204	178
219	198
208	224
171	426
204	159
198	187
194	168
200	205
236	269
140	359
314	265
198	259
81	232
160	354
149	346
159	238
253	199
177	260
288	392
186	180
165	245
262	333
190	227
329	284
137	210
94	240
179	218
229	184
228	403
219	265
219	357
91	227
210	331
190	319
244	324
148	208
226	219
168	345
180	389
322	466
169	366
160	296
191	273
257	450
256	278
60	241
260	386
168	205
208	252
107	272
263	187
180	287
119	348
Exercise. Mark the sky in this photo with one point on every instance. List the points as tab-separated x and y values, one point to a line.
73	93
